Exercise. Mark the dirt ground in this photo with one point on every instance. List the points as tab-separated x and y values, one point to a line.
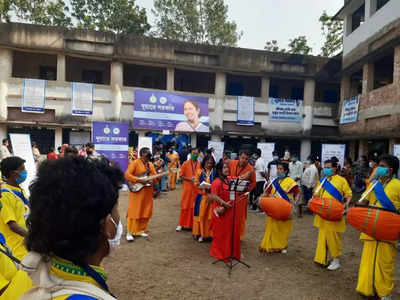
171	265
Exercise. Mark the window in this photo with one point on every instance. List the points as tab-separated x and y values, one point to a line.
34	65
48	73
331	96
358	18
145	76
383	71
297	93
87	70
90	76
274	91
195	82
243	85
381	3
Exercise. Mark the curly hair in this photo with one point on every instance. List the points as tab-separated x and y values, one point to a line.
70	199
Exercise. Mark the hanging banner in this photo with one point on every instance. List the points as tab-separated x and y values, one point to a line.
330	150
288	110
168	111
22	147
218	149
82	99
33	96
112	140
245	110
266	151
145	141
350	110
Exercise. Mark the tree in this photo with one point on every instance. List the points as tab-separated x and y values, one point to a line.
196	21
273	46
118	16
299	45
332	30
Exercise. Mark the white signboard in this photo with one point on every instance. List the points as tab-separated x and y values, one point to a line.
218	149
33	96
82	99
396	152
350	110
21	145
266	151
79	137
287	110
330	150
245	110
145	141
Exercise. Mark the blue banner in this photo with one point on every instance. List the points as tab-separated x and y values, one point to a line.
350	110
288	110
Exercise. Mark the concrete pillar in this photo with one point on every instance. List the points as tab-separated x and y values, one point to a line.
193	140
368	78
3	131
370	8
352	150
345	86
170	79
217	118
58	137
6	57
363	149
348	24
305	149
265	82
309	95
60	67
215	138
396	73
117	81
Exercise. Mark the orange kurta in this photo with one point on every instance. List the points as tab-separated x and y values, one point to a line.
173	163
189	191
140	208
236	171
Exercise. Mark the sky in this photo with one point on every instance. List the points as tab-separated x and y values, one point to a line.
281	20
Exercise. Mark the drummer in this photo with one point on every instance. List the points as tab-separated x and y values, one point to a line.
376	275
329	234
277	232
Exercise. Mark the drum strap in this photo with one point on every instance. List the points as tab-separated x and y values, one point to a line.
280	190
331	189
383	198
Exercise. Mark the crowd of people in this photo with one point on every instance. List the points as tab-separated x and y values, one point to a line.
52	244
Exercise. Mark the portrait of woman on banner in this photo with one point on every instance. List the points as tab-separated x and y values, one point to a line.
191	110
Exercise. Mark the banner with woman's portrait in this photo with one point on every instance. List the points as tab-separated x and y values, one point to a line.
169	111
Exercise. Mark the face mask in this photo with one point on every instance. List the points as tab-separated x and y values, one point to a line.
114	243
281	176
275	157
382	172
371	164
294	159
195	156
22	177
328	172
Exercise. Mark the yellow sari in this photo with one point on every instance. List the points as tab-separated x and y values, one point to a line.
276	236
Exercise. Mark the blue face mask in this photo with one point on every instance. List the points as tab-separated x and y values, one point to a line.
328	172
22	177
294	159
382	172
281	176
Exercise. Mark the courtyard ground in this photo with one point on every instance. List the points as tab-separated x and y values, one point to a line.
171	265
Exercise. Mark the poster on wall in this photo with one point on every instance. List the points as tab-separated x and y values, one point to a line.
218	149
112	140
288	110
145	141
350	110
266	151
33	96
82	99
79	138
22	147
170	111
245	110
330	150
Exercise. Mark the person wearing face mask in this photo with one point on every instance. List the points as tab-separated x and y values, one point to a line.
277	232
272	167
336	187
140	209
376	274
373	166
188	172
14	205
173	163
72	228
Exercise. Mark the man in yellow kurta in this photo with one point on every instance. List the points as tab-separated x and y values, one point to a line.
329	235
14	206
173	163
376	275
140	208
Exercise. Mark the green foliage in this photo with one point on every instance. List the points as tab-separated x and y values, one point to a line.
196	21
332	30
299	45
273	46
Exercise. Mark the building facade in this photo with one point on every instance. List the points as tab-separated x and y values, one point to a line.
117	65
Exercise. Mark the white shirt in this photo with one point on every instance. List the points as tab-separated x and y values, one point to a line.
310	175
4	153
295	169
260	168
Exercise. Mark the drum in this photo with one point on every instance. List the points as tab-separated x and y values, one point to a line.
378	223
327	209
276	208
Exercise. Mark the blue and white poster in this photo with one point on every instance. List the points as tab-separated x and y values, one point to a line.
245	110
350	110
82	99
288	110
33	96
330	150
112	140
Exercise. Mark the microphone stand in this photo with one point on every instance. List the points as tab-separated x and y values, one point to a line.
231	261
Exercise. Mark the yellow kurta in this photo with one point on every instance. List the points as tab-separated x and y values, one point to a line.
376	274
201	221
276	236
173	163
329	235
